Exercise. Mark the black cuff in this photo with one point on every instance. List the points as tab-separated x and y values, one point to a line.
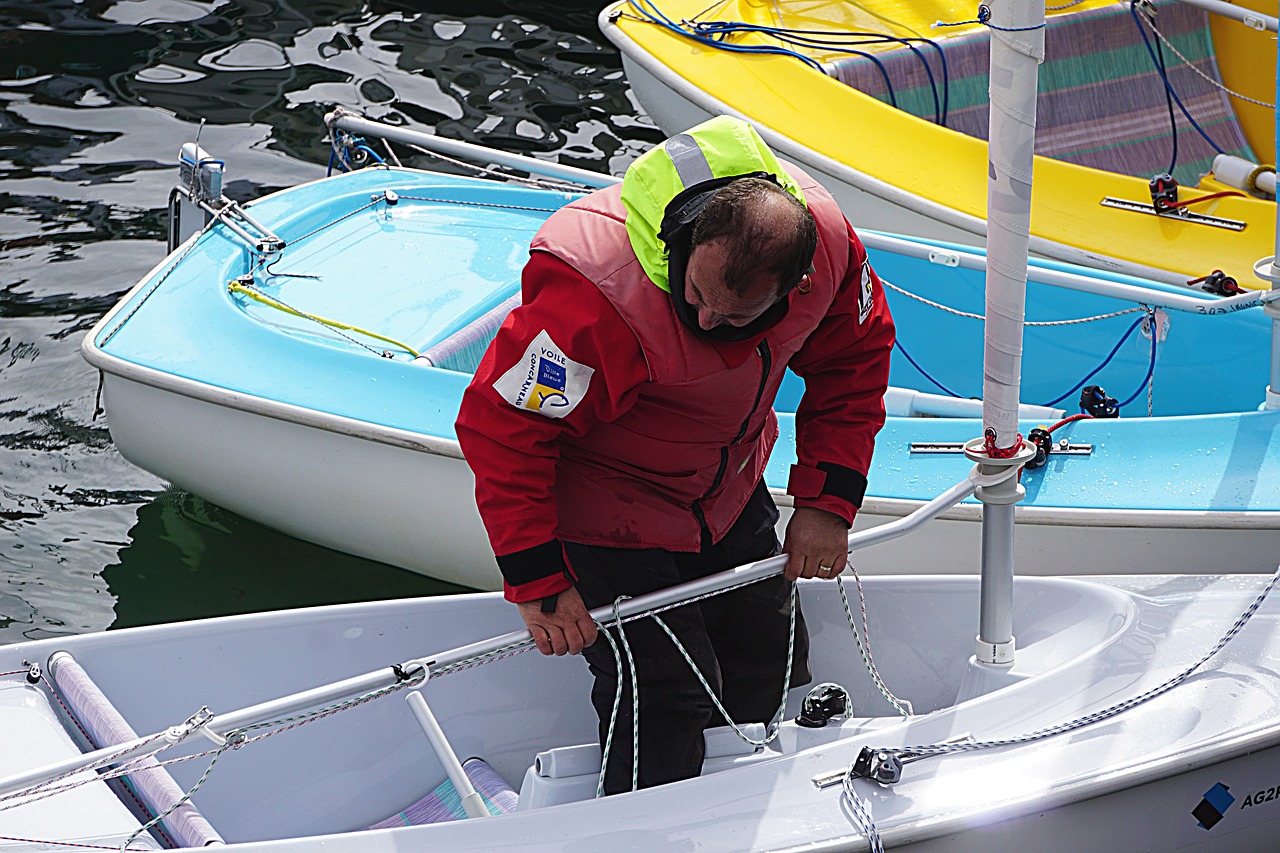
533	564
843	483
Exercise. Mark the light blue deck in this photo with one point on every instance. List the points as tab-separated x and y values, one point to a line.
420	270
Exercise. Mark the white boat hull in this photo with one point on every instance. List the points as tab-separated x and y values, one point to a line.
408	502
1128	783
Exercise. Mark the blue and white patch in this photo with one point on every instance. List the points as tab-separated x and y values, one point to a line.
866	295
545	380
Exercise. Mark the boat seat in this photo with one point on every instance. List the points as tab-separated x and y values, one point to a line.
1101	100
88	815
569	774
443	803
463	350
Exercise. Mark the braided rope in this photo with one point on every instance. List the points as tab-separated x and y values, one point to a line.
775	726
190	792
492	204
1104	713
613	715
40	790
160	279
635	696
902	706
960	313
861	813
72	844
536	183
1192	66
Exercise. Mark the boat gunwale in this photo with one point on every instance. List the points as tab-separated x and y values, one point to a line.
635	54
1079	788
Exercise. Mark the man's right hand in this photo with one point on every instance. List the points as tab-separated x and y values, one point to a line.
568	629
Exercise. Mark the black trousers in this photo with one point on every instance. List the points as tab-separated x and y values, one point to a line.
738	640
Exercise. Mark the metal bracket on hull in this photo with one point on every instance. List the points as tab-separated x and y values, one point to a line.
1062	447
1182	214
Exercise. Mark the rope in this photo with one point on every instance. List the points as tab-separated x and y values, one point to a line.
774	728
160	279
1115	349
1147	380
716	34
180	801
493	173
983	317
1133	11
1110	711
253	293
1209	197
73	844
613	719
1187	62
984	18
861	813
493	204
902	706
1083	416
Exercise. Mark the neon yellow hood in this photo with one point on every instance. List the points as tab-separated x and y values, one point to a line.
730	146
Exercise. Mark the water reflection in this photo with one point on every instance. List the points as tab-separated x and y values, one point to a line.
96	96
223	563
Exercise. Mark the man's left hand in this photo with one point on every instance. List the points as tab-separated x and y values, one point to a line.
817	543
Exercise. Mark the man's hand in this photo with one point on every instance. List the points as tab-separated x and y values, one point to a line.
565	629
817	542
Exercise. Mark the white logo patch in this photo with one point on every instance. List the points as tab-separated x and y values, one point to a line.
865	294
545	380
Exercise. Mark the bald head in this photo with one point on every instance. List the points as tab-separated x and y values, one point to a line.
767	236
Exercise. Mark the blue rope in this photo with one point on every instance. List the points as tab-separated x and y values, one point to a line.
836	42
923	372
1115	349
656	16
714	33
374	154
984	18
1151	367
1173	121
1133	12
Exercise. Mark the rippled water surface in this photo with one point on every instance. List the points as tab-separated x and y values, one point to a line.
95	99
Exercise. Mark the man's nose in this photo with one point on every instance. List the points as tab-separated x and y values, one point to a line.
707	318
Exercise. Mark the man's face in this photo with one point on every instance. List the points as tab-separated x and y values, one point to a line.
707	294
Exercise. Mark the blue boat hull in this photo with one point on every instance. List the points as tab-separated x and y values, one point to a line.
334	433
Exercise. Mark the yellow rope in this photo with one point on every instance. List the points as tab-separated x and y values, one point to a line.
253	293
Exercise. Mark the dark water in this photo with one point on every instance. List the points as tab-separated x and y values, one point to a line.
96	97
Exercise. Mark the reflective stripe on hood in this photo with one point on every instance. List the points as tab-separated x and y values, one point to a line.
718	148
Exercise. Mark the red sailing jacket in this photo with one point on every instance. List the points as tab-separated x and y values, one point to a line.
597	417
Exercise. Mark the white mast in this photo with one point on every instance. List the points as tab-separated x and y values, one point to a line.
1269	269
1017	48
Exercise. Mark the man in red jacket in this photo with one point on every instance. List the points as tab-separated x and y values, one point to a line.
620	423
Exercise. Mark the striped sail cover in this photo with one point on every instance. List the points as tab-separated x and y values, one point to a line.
104	725
463	350
1102	103
443	804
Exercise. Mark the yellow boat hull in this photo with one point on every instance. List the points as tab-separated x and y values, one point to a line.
893	171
